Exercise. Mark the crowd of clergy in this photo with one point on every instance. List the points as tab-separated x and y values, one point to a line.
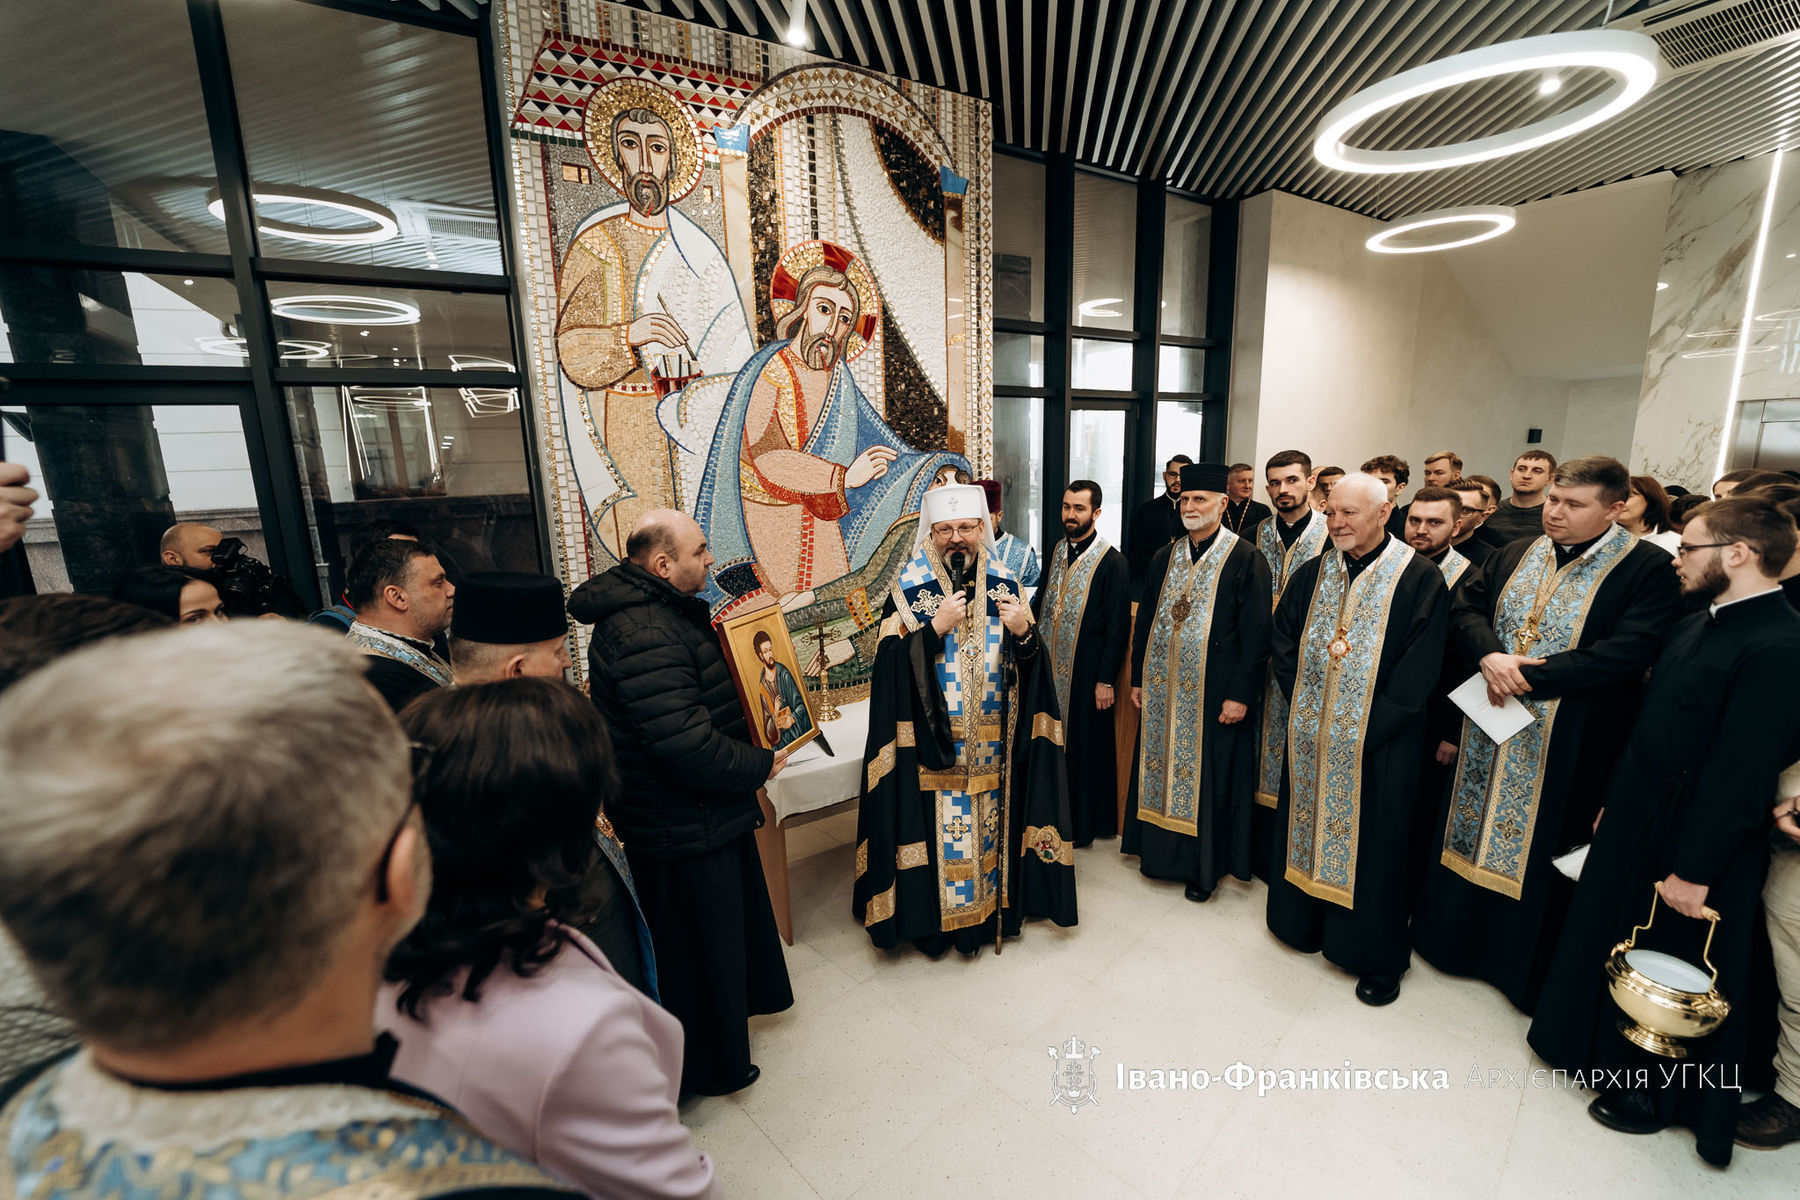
386	905
1314	684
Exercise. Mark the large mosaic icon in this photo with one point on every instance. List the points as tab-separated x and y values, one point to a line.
762	294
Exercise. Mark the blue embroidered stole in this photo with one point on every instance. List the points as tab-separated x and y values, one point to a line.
1452	565
1174	718
1019	558
1340	653
1494	800
974	874
1065	602
383	644
1271	753
76	1131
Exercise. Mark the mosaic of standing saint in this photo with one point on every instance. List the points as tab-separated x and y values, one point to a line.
646	307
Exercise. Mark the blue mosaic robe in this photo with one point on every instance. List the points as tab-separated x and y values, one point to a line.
961	830
846	425
1355	735
75	1133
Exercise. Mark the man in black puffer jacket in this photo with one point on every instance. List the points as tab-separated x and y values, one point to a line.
687	812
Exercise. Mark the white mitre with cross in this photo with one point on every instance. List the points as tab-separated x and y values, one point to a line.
954	502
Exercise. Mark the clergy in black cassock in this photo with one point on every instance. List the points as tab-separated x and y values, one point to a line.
962	829
1084	618
1359	636
1155	523
1687	809
1294	535
1197	656
1594	604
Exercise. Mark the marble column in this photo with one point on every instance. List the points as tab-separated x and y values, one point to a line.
1709	247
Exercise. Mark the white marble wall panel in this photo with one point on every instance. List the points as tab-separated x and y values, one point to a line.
1691	356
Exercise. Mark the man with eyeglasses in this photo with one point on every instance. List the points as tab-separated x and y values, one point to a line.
1687	813
1567	622
964	827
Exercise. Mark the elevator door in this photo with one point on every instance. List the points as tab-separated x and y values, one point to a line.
1768	435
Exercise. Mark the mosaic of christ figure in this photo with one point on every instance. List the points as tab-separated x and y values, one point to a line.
806	477
645	305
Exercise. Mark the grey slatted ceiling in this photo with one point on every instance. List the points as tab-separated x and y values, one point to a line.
1222	97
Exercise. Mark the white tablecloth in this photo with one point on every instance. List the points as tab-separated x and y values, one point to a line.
813	779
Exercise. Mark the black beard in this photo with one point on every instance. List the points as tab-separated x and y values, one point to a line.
1078	532
1711	582
822	343
646	194
1286	503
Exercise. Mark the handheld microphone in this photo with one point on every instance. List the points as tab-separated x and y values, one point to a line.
958	564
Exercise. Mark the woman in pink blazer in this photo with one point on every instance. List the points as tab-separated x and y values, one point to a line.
503	1009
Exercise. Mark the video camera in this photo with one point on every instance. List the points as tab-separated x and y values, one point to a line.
247	585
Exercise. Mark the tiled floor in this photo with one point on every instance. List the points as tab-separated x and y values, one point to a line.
893	1075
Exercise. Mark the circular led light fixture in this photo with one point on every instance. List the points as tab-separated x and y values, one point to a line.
1631	58
291	350
381	227
1497	218
345	310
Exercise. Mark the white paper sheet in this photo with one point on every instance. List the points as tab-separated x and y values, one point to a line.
1497	721
1570	864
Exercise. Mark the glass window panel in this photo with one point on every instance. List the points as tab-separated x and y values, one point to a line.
1101	366
59	315
1180	369
1019	360
450	461
1178	427
1187	245
1097	452
1018	238
103	136
382	133
1018	451
113	477
1105	256
393	327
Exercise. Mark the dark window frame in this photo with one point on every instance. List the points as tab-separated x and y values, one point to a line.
259	385
1060	329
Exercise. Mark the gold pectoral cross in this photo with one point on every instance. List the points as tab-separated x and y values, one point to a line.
1527	637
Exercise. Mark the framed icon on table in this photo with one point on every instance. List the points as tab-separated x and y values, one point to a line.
766	669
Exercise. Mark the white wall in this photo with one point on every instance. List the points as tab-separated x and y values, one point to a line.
1347	354
1602	417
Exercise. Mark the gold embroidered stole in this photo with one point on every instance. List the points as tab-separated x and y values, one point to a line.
1174	715
1453	564
1340	654
1283	561
1065	602
1495	796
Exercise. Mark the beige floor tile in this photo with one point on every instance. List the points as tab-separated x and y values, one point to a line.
748	1165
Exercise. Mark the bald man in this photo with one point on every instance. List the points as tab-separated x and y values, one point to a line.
190	544
687	812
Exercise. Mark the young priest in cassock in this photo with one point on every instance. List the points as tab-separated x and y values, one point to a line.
1359	636
962	831
1687	812
1567	622
1293	535
1084	619
1197	657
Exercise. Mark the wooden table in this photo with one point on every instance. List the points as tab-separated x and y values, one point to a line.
812	786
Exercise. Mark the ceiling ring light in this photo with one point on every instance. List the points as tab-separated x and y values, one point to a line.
1631	58
382	224
345	310
1497	218
291	349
